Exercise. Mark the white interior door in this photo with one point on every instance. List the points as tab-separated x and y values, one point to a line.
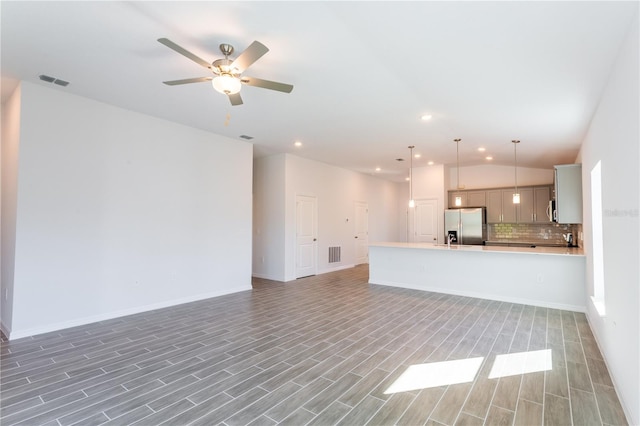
306	240
361	225
426	221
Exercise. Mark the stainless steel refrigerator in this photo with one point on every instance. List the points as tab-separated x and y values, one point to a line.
466	226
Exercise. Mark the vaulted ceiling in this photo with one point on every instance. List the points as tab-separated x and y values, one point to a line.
363	72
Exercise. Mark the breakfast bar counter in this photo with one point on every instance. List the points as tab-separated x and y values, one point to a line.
553	250
551	277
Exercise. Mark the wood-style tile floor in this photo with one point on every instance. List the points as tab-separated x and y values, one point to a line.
318	351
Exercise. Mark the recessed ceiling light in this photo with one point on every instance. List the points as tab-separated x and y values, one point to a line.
378	169
407	178
482	149
426	117
488	157
417	156
430	163
297	143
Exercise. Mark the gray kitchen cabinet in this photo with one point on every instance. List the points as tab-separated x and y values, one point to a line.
500	207
499	203
452	199
527	206
568	187
534	202
508	208
542	196
476	198
494	205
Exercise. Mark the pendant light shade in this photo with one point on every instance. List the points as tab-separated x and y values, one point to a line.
516	194
412	203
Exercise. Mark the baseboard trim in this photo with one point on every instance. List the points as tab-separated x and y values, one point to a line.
18	334
336	268
323	271
264	277
477	295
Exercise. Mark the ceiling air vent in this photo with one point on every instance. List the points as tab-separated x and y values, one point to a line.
246	137
53	80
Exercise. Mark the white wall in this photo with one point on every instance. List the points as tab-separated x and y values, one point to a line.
119	212
428	183
613	139
495	176
9	157
336	191
269	217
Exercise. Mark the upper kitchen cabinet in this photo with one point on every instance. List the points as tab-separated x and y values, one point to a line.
500	207
467	198
568	187
534	203
476	198
461	195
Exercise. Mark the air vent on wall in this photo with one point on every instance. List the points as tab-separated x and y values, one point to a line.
334	254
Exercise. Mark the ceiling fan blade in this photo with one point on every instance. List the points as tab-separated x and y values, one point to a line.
267	84
235	99
187	81
251	54
184	52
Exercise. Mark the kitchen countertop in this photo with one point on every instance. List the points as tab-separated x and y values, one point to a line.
564	251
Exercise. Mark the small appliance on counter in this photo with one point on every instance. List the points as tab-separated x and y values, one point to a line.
466	226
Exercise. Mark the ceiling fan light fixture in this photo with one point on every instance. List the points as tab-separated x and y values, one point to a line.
227	84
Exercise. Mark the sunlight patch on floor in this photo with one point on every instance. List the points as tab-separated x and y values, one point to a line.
521	363
422	376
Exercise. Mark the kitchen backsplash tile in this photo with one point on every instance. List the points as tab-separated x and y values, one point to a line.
543	233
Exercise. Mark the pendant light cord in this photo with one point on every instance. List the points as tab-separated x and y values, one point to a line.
457	141
515	160
411	173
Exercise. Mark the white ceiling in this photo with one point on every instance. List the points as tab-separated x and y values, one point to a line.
363	72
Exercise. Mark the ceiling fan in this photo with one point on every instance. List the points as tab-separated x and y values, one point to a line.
227	75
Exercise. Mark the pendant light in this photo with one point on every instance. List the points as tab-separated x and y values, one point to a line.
516	194
412	203
458	199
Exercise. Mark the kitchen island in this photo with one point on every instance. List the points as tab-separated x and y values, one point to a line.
552	277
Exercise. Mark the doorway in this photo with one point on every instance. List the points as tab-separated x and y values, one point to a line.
426	221
306	240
